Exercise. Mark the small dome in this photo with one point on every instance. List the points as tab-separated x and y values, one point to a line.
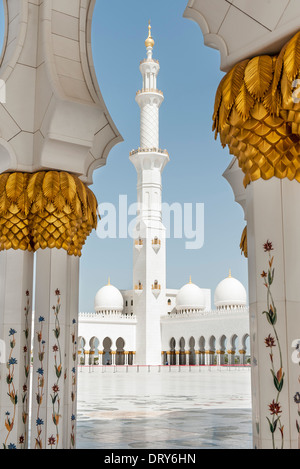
190	296
149	41
108	298
230	293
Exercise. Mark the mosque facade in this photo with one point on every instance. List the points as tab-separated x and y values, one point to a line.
151	324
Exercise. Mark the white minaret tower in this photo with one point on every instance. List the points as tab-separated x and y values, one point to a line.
149	256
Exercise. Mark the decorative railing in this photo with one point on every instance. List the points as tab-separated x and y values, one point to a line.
106	315
148	150
149	61
192	313
149	90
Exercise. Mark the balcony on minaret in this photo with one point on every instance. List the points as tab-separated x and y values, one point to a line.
149	90
138	288
149	150
156	288
156	244
138	244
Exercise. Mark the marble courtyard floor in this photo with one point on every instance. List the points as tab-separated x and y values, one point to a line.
192	408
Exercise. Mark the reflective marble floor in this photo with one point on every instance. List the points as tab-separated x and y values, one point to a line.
164	410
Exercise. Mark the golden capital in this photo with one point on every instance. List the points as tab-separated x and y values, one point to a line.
257	114
47	209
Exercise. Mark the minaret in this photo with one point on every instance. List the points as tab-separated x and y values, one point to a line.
149	252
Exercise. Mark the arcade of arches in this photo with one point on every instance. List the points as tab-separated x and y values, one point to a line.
192	351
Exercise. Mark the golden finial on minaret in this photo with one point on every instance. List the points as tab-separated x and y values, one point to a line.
108	283
190	280
149	41
229	276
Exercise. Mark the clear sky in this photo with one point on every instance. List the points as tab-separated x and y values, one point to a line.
189	77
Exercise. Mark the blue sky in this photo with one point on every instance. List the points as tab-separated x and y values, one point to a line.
189	77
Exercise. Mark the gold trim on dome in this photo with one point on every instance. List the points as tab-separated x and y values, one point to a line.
257	117
45	210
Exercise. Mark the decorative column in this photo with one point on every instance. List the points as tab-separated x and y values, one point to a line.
242	357
16	278
220	357
58	234
209	357
55	131
257	116
231	357
202	357
55	349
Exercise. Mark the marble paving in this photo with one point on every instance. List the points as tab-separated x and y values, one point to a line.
164	410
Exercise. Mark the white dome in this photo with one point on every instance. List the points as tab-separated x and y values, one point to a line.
108	298
190	296
229	293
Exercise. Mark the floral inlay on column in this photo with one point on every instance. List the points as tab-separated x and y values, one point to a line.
41	382
74	386
26	352
297	395
10	420
55	397
272	342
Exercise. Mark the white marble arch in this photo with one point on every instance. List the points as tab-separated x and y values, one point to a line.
242	29
47	65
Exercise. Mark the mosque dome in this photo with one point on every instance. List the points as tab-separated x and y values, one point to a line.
190	297
230	293
108	298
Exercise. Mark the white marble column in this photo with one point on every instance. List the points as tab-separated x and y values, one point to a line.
274	295
231	357
220	357
209	357
242	357
16	284
55	350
